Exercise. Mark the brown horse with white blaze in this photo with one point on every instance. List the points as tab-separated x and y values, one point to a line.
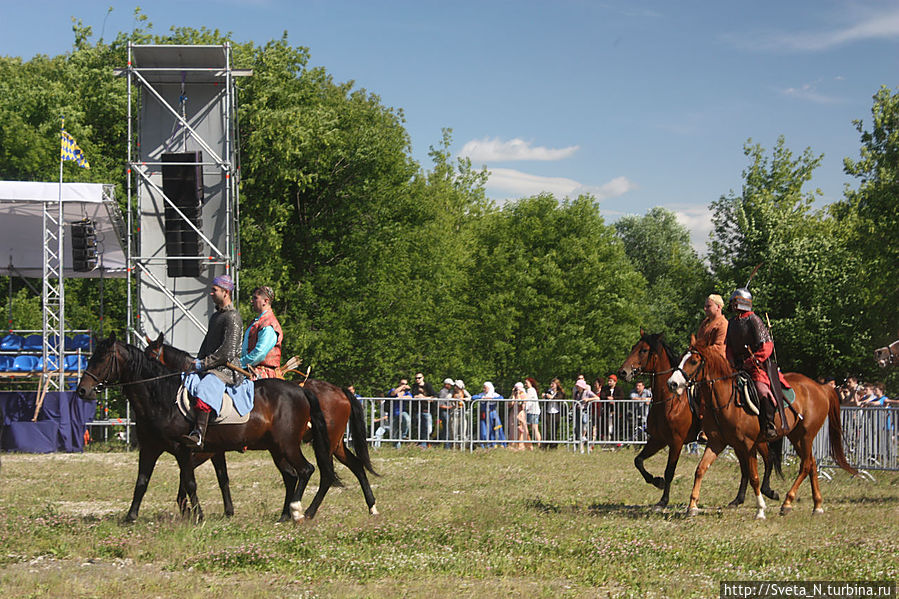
670	422
814	404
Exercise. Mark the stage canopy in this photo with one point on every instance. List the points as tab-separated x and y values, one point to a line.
21	226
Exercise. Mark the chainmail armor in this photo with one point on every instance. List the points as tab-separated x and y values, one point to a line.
741	332
222	344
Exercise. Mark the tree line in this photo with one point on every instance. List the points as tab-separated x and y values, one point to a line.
382	266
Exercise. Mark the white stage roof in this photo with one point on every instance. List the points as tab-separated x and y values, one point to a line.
21	206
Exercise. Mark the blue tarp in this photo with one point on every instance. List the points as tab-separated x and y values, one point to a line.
60	425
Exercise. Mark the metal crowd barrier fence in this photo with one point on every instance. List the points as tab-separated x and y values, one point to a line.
870	434
483	422
870	439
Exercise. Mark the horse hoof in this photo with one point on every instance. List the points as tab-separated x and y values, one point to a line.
818	511
760	515
735	503
692	512
296	511
771	494
785	509
659	507
374	511
659	483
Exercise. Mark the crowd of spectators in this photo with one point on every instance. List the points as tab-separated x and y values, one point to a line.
529	417
522	420
856	393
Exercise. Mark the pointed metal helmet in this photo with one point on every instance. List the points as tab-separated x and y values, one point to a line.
741	299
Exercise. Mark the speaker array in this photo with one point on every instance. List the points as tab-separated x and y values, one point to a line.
182	182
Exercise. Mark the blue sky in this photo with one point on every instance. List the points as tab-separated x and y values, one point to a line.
640	103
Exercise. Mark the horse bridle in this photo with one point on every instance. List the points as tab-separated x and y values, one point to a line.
894	355
690	379
100	383
639	371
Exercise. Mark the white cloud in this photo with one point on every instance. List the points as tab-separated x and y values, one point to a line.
521	184
809	92
513	183
614	188
697	219
497	150
871	26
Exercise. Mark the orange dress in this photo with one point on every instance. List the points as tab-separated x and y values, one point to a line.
714	331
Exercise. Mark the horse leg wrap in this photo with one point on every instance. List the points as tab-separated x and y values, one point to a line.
296	511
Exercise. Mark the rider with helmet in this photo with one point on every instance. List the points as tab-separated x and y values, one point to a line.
750	348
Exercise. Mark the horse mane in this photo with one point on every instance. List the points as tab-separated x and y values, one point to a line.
174	355
656	342
713	359
145	368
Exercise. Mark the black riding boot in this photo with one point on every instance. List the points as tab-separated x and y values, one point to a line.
768	424
197	437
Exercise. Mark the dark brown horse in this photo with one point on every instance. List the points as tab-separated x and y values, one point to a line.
670	422
339	409
814	404
281	416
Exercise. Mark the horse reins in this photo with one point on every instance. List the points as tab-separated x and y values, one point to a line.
105	384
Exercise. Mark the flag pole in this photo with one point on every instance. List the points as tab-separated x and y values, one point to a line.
60	341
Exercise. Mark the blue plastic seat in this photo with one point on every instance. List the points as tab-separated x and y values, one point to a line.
72	362
25	363
82	342
33	343
52	364
11	342
6	363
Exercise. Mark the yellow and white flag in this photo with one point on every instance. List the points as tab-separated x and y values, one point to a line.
71	151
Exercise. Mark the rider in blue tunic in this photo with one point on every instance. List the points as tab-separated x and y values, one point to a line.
220	346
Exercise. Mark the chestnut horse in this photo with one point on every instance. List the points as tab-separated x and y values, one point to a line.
339	408
670	422
716	380
282	414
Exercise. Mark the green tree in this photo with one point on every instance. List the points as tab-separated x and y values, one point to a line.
678	281
555	292
869	217
805	286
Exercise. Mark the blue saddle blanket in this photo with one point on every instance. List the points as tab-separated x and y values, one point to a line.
210	388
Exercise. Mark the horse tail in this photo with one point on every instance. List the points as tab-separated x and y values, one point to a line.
358	431
321	444
776	453
835	432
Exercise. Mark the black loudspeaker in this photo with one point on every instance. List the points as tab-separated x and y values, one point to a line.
182	183
84	246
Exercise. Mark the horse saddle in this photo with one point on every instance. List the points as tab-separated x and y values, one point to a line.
228	415
747	395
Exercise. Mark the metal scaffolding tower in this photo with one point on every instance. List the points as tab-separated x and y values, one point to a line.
53	294
182	186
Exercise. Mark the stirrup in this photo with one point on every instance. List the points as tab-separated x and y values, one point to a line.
193	441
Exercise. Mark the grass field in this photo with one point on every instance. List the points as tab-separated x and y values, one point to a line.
494	523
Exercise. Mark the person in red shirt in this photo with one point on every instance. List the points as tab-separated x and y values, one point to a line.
750	348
